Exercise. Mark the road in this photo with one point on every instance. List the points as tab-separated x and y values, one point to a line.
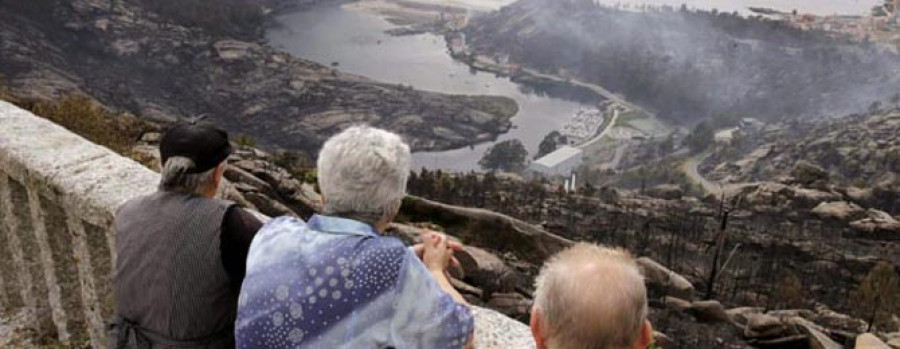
691	169
596	88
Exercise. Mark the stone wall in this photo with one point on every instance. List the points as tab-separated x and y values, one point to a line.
58	194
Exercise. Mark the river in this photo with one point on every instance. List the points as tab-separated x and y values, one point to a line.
356	41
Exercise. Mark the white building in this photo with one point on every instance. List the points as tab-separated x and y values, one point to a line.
726	135
560	162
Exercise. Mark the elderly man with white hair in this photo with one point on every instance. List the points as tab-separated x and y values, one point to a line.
335	281
591	297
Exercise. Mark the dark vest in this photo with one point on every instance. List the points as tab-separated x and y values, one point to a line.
169	279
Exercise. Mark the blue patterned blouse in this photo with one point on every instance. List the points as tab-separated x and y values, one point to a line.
336	283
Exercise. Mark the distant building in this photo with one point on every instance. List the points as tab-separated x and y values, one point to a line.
563	161
751	123
726	135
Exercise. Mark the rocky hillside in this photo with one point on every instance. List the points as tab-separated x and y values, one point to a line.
860	153
139	57
687	65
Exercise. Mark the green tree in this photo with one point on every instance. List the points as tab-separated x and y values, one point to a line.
701	137
550	143
878	296
508	156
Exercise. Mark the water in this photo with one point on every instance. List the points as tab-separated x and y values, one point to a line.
356	41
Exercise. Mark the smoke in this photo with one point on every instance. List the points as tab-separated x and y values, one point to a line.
688	65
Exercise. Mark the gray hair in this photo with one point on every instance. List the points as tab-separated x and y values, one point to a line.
591	297
174	176
362	173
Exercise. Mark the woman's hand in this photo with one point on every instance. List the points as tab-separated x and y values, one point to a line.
437	253
430	237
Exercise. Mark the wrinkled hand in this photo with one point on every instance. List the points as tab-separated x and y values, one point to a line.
436	251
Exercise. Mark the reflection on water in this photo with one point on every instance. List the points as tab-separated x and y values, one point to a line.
357	43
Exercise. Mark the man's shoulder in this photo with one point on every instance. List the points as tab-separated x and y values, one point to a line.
280	228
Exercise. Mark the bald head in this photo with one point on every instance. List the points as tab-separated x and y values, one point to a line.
589	296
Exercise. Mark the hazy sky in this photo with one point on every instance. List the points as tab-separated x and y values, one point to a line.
821	7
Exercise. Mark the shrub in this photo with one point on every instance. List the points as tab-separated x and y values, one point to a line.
244	141
87	118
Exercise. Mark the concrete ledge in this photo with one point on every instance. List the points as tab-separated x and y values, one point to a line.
89	179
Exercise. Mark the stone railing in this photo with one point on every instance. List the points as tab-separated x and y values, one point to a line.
58	194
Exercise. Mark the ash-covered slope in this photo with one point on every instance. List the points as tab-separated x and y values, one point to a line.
688	65
862	151
139	58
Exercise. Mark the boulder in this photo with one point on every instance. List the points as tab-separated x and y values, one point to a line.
834	320
233	50
466	289
486	270
513	305
817	339
893	340
661	340
860	195
808	198
268	206
869	341
741	315
665	281
894	343
677	304
807	173
238	175
839	210
665	191
883	225
709	311
763	326
789	342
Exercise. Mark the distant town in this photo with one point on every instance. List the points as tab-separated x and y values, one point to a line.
881	26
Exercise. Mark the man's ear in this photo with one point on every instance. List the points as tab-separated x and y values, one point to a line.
220	173
537	328
646	336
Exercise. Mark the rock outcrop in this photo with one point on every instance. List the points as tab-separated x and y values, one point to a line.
664	281
869	341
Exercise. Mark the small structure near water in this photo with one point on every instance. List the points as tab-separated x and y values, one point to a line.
562	161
